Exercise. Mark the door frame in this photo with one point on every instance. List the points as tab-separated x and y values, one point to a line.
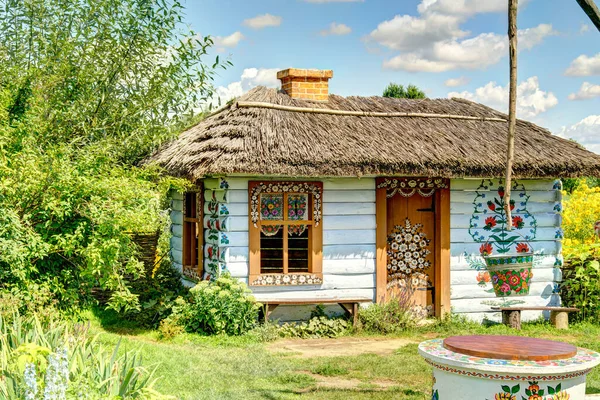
441	251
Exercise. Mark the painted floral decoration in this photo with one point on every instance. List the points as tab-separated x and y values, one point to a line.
490	209
271	207
486	249
522	248
408	251
258	192
483	278
533	392
512	282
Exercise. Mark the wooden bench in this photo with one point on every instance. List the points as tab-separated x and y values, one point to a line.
350	306
559	316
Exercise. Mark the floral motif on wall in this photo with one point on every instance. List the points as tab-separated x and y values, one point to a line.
407	187
489	223
488	226
216	223
266	189
287	279
408	248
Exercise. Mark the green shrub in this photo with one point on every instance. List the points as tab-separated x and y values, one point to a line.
156	294
389	317
36	299
316	327
266	332
581	282
225	305
55	359
169	328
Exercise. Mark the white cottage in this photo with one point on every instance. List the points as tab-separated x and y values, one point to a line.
311	197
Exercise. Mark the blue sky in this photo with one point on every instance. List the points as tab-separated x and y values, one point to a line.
446	47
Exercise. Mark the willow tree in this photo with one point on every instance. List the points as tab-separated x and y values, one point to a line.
87	89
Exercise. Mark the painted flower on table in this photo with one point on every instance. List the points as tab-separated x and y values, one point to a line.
490	222
505	396
505	288
534	388
491	205
517	222
486	249
522	247
534	392
561	396
501	191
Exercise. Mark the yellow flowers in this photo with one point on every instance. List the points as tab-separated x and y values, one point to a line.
581	211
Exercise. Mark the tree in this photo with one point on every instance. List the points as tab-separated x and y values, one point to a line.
399	92
87	89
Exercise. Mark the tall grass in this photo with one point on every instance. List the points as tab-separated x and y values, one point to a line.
94	372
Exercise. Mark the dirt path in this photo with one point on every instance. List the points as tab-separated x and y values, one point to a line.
345	346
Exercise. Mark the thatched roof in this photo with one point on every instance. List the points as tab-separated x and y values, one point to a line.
460	139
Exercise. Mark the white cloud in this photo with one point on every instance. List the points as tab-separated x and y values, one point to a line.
455	82
333	1
586	91
464	7
251	77
584	66
229	41
405	32
475	53
584	28
263	21
531	100
433	41
336	29
585	132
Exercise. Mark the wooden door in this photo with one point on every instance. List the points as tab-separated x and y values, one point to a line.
412	241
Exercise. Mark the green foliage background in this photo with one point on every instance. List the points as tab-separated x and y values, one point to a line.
400	92
88	88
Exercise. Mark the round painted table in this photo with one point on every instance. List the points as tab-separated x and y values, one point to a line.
507	368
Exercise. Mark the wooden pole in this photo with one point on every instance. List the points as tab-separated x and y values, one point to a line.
512	106
591	10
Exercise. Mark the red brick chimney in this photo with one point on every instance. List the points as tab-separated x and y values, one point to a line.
307	84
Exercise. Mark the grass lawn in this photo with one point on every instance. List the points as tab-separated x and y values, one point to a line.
196	367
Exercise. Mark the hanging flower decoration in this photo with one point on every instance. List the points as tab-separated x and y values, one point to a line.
407	251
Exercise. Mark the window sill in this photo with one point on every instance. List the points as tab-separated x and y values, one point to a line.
291	279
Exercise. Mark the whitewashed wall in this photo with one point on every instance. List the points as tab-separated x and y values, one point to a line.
176	200
472	299
348	245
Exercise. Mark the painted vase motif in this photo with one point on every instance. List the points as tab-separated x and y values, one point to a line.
507	254
510	274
